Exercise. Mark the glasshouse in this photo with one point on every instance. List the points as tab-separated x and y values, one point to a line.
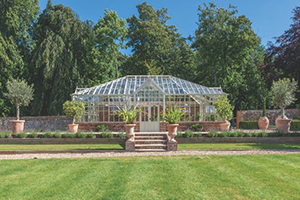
154	93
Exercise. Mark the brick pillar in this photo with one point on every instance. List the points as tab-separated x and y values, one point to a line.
238	118
172	145
129	145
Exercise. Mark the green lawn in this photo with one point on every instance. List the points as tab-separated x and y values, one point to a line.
199	146
170	177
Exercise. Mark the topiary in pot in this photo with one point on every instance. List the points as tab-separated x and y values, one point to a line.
20	94
74	110
173	116
263	122
283	95
224	110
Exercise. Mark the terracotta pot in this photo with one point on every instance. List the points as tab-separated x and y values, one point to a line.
172	131
283	124
263	123
130	131
17	126
224	126
73	128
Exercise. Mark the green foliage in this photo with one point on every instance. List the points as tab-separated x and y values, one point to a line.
264	108
188	134
5	135
80	135
19	93
47	135
248	125
212	134
21	135
179	134
295	125
195	127
106	135
224	108
121	135
198	134
90	135
101	128
68	135
129	114
32	135
56	135
73	109
173	115
284	93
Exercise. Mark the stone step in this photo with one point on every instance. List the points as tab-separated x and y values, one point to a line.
149	137
150	146
151	134
150	150
150	141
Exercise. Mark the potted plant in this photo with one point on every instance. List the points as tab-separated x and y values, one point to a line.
224	110
74	110
173	116
263	122
283	95
20	94
129	115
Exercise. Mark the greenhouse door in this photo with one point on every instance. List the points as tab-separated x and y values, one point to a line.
149	119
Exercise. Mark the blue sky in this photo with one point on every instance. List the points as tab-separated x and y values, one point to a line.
269	18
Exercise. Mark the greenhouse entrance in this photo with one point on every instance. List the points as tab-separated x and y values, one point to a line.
149	119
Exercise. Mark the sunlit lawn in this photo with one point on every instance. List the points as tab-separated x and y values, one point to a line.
169	177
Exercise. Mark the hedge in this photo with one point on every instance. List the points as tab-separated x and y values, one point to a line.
295	125
248	125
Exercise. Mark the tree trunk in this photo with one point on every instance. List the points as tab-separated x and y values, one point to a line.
18	112
73	120
282	111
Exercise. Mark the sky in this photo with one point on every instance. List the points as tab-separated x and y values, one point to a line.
270	18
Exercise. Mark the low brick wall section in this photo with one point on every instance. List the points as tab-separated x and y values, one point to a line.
36	123
112	126
62	141
254	115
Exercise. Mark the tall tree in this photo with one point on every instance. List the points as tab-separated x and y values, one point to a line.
154	41
110	35
284	56
226	48
60	57
16	20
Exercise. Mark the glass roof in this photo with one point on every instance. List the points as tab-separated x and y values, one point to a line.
170	85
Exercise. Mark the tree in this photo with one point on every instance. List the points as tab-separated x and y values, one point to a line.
19	93
284	56
110	35
60	59
284	93
228	51
224	108
16	20
73	109
154	41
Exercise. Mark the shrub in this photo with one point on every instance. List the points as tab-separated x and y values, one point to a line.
295	117
21	135
212	134
249	134
90	135
106	135
121	135
32	135
263	134
295	125
47	135
248	125
101	128
68	135
224	108
73	109
198	134
195	127
189	134
57	135
225	134
80	135
179	134
5	135
173	115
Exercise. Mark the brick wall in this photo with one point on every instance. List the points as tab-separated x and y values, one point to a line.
46	123
254	115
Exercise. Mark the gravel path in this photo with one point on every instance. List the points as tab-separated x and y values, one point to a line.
132	154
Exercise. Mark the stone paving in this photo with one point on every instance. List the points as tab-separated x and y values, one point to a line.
133	154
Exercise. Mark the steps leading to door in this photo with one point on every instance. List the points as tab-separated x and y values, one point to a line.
151	141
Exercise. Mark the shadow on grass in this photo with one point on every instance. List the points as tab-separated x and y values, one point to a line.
102	148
